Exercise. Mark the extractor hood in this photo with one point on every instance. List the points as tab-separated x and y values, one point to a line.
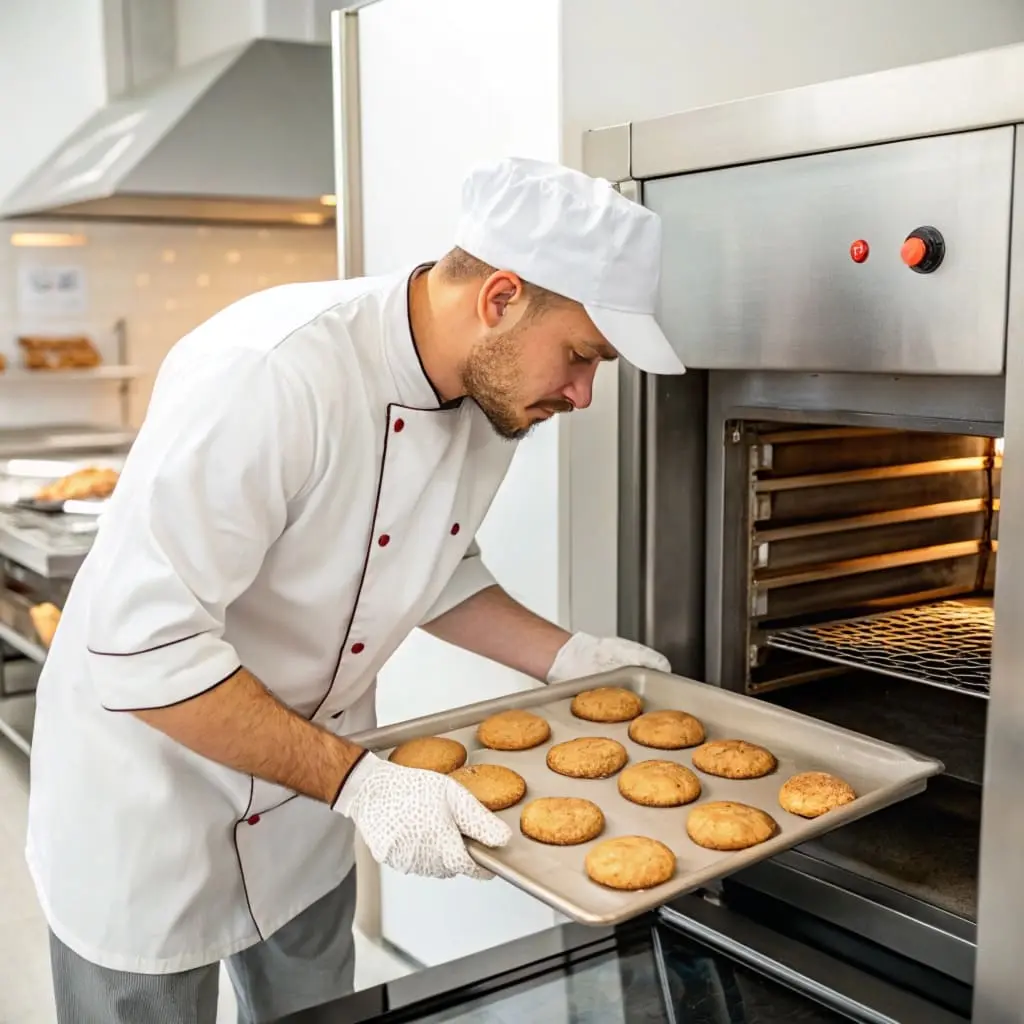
242	136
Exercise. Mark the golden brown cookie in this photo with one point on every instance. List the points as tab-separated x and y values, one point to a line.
561	820
495	786
724	825
734	759
630	862
607	704
589	757
513	730
810	794
433	753
666	730
659	784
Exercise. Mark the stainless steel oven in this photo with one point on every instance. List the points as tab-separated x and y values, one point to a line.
827	511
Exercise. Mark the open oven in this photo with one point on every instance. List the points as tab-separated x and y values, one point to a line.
817	513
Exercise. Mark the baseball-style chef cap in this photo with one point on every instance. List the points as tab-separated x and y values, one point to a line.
577	236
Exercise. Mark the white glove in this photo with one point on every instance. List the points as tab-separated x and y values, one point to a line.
414	820
586	655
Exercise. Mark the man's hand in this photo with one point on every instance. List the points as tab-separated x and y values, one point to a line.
414	820
586	655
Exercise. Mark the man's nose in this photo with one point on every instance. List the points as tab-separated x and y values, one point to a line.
581	391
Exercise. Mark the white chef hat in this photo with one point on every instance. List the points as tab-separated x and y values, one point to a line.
577	236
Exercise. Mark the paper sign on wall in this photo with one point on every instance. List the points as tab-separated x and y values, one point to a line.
46	290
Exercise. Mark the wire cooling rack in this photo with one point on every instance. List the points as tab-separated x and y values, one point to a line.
948	644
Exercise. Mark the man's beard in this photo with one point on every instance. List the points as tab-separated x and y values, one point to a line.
491	376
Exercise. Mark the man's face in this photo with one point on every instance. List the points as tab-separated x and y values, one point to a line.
534	363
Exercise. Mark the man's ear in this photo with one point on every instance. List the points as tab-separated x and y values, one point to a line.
499	291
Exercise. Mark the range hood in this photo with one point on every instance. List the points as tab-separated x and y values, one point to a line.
242	136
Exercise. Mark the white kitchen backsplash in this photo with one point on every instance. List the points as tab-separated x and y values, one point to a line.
162	279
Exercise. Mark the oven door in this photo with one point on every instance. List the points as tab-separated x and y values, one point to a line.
698	961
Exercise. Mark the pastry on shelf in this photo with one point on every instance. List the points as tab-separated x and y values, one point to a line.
58	353
92	482
45	617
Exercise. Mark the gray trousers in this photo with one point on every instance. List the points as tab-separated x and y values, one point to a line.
310	961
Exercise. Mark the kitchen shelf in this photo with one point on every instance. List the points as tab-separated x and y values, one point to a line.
95	373
948	644
22	644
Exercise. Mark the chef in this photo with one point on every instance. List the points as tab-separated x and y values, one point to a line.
304	492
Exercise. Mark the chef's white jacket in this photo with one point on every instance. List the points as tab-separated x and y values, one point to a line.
296	502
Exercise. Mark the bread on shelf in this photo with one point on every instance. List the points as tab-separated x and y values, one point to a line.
58	353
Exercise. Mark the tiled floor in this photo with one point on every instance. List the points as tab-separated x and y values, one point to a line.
25	995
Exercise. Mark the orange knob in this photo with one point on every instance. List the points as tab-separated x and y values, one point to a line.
914	251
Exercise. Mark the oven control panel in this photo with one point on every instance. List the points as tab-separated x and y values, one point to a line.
890	258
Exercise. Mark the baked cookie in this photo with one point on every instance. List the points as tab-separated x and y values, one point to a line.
494	786
659	784
734	759
607	704
666	730
561	820
630	862
513	730
724	825
589	757
433	753
810	794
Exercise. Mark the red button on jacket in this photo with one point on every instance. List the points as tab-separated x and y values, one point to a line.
358	648
455	528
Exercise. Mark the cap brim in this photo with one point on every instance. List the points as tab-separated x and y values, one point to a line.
638	339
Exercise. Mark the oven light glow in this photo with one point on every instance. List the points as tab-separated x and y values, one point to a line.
45	239
999	446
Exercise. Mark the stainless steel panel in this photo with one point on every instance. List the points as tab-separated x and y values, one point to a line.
975	90
606	152
855	994
348	157
875	912
757	271
673	519
999	981
881	774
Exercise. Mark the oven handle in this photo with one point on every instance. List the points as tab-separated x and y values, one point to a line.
816	975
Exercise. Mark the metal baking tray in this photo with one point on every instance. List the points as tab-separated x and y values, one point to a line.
881	774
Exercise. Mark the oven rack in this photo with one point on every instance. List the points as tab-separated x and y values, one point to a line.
947	644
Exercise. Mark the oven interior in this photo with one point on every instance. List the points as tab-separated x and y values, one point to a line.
862	564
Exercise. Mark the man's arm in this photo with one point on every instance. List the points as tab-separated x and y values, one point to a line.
493	625
241	725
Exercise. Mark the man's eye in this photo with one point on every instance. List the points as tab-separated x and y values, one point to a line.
578	357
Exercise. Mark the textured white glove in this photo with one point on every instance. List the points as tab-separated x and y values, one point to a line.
414	820
586	655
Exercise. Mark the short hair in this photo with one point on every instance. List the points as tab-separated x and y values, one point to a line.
459	265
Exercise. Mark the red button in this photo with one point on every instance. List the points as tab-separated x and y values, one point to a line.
455	528
859	251
383	540
358	648
914	251
399	426
254	820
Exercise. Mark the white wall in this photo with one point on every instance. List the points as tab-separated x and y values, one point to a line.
623	62
52	77
445	84
206	27
162	279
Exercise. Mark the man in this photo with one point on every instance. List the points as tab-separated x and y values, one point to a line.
304	492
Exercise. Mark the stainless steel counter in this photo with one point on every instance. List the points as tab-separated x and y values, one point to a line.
53	546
